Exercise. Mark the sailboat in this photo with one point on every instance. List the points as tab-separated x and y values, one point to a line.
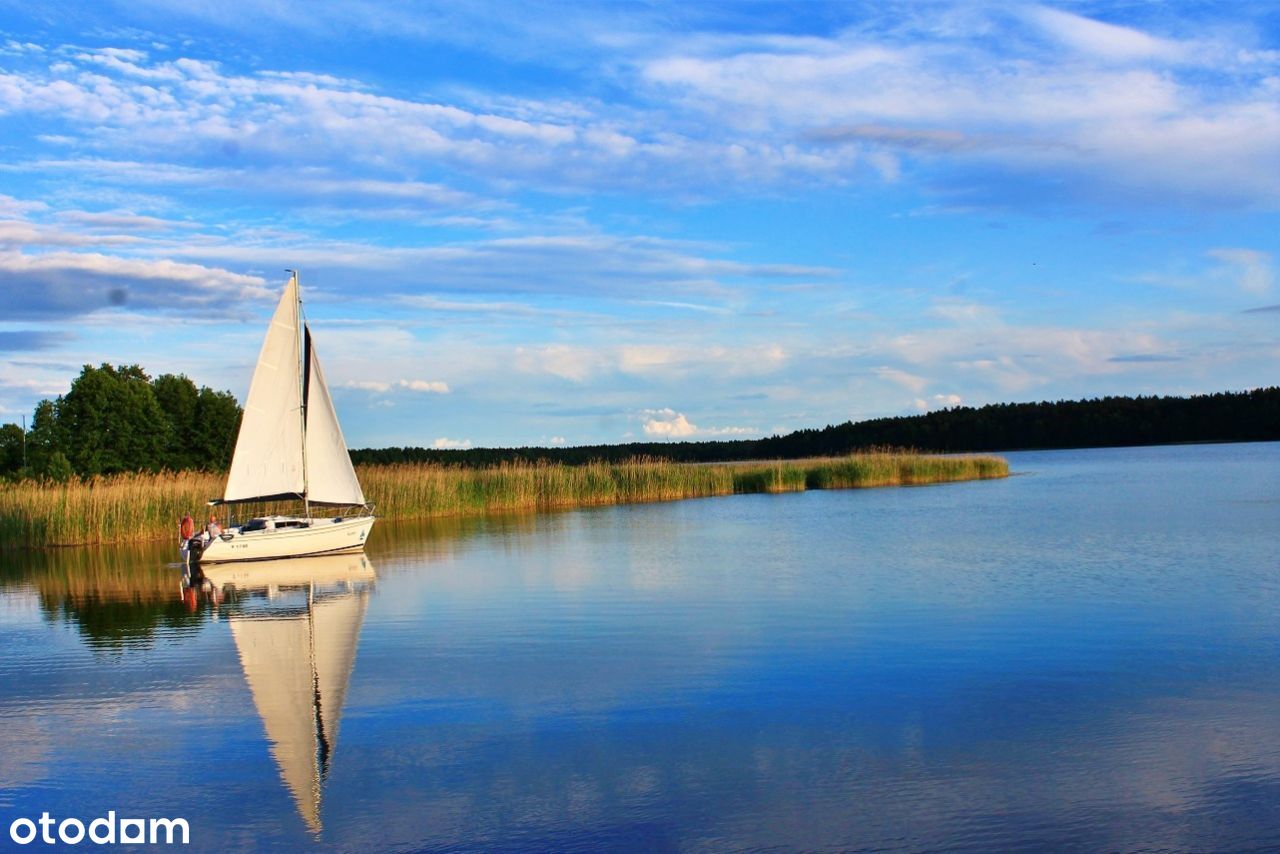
290	447
296	632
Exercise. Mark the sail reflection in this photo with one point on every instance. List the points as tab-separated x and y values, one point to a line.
296	632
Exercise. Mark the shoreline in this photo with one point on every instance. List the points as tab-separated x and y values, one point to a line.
137	508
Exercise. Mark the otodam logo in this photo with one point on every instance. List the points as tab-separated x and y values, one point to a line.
101	831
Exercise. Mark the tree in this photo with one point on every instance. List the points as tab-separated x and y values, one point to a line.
117	419
59	467
45	438
215	427
112	422
178	398
12	441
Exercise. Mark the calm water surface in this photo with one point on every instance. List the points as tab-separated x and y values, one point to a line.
1084	656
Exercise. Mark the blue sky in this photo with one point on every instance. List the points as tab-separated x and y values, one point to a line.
580	223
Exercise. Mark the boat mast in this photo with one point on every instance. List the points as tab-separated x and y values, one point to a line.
302	393
317	701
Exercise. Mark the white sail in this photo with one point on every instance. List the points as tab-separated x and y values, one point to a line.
276	657
331	479
268	455
298	665
335	627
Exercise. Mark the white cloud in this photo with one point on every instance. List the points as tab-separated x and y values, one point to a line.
519	309
647	358
669	424
9	206
69	283
305	185
368	385
429	194
1254	270
596	265
1104	40
381	387
1127	108
1008	358
1203	133
679	361
938	401
1131	108
561	360
962	311
119	220
182	106
906	380
451	444
580	363
426	386
601	266
18	234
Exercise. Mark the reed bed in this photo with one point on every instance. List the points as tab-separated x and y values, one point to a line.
133	573
139	507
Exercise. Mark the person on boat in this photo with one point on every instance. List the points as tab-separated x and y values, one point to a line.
187	529
213	528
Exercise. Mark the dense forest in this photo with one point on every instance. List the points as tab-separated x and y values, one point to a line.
117	419
1223	417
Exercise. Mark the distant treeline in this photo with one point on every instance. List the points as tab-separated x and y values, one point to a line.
118	419
1108	421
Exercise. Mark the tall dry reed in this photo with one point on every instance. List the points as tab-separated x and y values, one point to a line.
137	507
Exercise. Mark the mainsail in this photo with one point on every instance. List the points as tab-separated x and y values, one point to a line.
268	458
298	664
290	444
276	657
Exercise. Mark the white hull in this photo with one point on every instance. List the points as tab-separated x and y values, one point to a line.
321	571
320	536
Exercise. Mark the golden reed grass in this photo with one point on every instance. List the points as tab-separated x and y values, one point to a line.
133	573
139	507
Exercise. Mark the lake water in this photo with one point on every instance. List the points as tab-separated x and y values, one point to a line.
1083	656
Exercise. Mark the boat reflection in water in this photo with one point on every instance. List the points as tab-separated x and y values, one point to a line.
296	624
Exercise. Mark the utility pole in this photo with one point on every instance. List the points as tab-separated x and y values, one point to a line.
24	443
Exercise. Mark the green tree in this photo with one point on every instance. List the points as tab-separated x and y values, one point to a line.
178	397
216	425
59	467
12	441
45	438
112	421
117	419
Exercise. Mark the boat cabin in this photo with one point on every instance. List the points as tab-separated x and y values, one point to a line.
274	523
